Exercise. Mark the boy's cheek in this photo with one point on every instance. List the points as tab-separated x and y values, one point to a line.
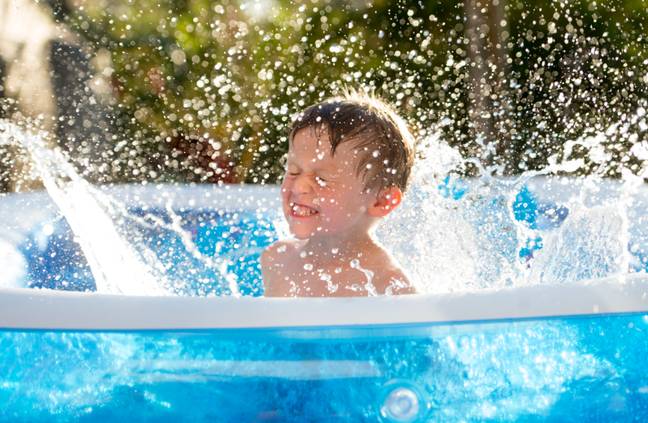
326	201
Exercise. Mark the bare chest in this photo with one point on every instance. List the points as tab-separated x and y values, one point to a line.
309	279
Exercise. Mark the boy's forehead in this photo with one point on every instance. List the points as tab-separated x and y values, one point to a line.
315	141
311	138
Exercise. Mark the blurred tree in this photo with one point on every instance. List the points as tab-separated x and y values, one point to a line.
487	56
205	91
45	81
578	69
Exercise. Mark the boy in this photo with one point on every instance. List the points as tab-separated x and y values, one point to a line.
349	162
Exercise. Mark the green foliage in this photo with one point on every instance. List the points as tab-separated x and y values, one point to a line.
205	91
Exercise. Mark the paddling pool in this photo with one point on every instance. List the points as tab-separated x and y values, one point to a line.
555	352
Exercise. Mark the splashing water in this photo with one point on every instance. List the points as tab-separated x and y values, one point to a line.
467	232
117	241
444	244
115	265
588	246
477	234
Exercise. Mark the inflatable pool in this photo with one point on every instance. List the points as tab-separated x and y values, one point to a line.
535	353
213	350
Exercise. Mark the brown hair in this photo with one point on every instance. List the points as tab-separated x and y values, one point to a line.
379	132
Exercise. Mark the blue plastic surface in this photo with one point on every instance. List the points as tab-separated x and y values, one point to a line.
568	369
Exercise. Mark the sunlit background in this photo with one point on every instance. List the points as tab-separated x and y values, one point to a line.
203	91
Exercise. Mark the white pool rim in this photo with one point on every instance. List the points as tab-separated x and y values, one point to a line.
23	308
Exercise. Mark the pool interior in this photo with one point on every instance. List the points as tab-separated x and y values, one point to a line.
229	244
55	260
560	369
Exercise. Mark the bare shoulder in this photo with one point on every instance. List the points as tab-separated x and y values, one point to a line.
277	252
389	277
274	260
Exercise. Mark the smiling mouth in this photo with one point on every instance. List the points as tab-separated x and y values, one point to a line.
300	210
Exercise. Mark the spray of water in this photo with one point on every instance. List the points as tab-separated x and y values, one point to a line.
115	264
451	240
466	232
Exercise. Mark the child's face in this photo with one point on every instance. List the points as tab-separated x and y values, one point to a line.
321	194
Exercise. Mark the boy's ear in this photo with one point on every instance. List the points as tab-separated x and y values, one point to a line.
386	201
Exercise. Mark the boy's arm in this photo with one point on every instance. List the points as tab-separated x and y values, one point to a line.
271	287
266	272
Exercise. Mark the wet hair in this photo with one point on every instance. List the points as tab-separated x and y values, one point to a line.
379	133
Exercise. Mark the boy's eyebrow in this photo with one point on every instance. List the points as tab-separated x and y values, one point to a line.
327	167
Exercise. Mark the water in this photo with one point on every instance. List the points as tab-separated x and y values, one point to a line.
479	233
111	258
553	369
99	243
483	233
588	369
535	228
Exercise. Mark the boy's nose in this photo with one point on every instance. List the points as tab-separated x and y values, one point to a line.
302	184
